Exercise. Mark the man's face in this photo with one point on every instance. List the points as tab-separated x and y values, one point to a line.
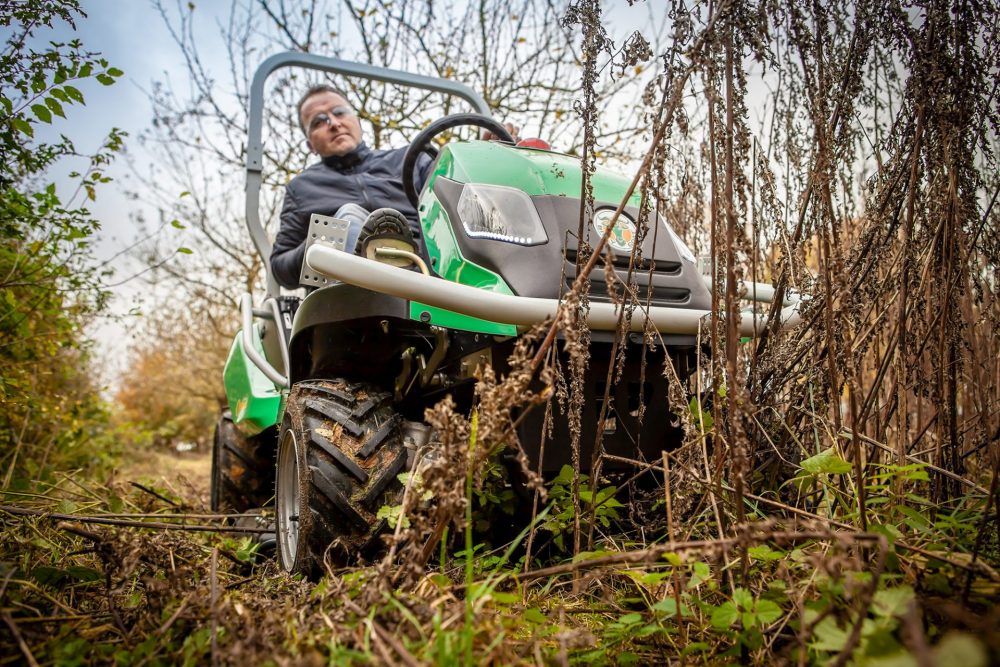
340	135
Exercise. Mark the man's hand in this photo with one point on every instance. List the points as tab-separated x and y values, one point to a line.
490	136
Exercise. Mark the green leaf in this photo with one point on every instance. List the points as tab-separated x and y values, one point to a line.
54	105
764	553
695	647
700	572
115	504
666	605
892	601
247	550
177	224
392	514
42	113
47	575
703	419
23	126
74	93
914	519
669	607
724	616
185	251
826	462
500	597
532	615
114	71
828	637
104	79
767	612
743	598
565	476
673	558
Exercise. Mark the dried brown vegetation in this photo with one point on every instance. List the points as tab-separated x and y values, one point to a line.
834	498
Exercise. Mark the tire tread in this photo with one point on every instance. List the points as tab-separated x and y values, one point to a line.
353	454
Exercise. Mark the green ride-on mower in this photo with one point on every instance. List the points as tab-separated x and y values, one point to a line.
327	393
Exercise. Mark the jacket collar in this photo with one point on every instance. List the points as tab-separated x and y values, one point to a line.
347	160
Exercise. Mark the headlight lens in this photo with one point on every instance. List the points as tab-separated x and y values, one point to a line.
500	214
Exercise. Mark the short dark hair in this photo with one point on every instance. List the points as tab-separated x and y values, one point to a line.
314	90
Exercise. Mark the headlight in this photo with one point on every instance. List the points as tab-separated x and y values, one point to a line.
500	214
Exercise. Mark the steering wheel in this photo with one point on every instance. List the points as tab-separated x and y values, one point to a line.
422	144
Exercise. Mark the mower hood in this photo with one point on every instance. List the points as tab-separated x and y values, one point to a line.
506	219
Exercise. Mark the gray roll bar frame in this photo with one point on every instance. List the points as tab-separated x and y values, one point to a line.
247	312
255	146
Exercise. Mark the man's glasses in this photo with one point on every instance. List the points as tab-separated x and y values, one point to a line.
326	117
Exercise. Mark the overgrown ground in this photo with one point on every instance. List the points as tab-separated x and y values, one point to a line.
789	586
833	495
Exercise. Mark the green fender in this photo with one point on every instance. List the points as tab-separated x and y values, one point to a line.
253	399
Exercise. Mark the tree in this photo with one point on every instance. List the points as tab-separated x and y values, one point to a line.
517	54
169	356
50	284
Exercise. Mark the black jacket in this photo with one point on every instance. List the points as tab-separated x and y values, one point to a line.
369	178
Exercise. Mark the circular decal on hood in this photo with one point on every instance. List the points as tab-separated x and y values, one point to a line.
623	236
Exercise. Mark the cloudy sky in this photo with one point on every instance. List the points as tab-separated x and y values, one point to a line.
132	36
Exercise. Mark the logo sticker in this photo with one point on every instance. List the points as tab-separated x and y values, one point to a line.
623	236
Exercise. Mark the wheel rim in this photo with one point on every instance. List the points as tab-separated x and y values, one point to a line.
287	499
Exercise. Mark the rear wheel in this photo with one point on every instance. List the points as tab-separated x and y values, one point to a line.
242	468
339	453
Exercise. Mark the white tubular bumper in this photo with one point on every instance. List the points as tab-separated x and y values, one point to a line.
761	292
517	310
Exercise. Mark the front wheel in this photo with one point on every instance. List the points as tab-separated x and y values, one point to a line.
339	452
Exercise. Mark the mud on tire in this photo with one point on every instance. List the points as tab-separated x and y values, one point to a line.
346	444
242	468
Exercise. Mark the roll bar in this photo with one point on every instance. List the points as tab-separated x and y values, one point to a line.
518	310
255	146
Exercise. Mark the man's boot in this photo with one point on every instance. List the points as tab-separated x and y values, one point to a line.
386	228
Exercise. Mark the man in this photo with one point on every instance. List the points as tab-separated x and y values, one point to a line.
351	182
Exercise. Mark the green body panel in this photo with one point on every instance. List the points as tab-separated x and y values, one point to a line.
452	320
448	262
253	399
446	255
534	172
